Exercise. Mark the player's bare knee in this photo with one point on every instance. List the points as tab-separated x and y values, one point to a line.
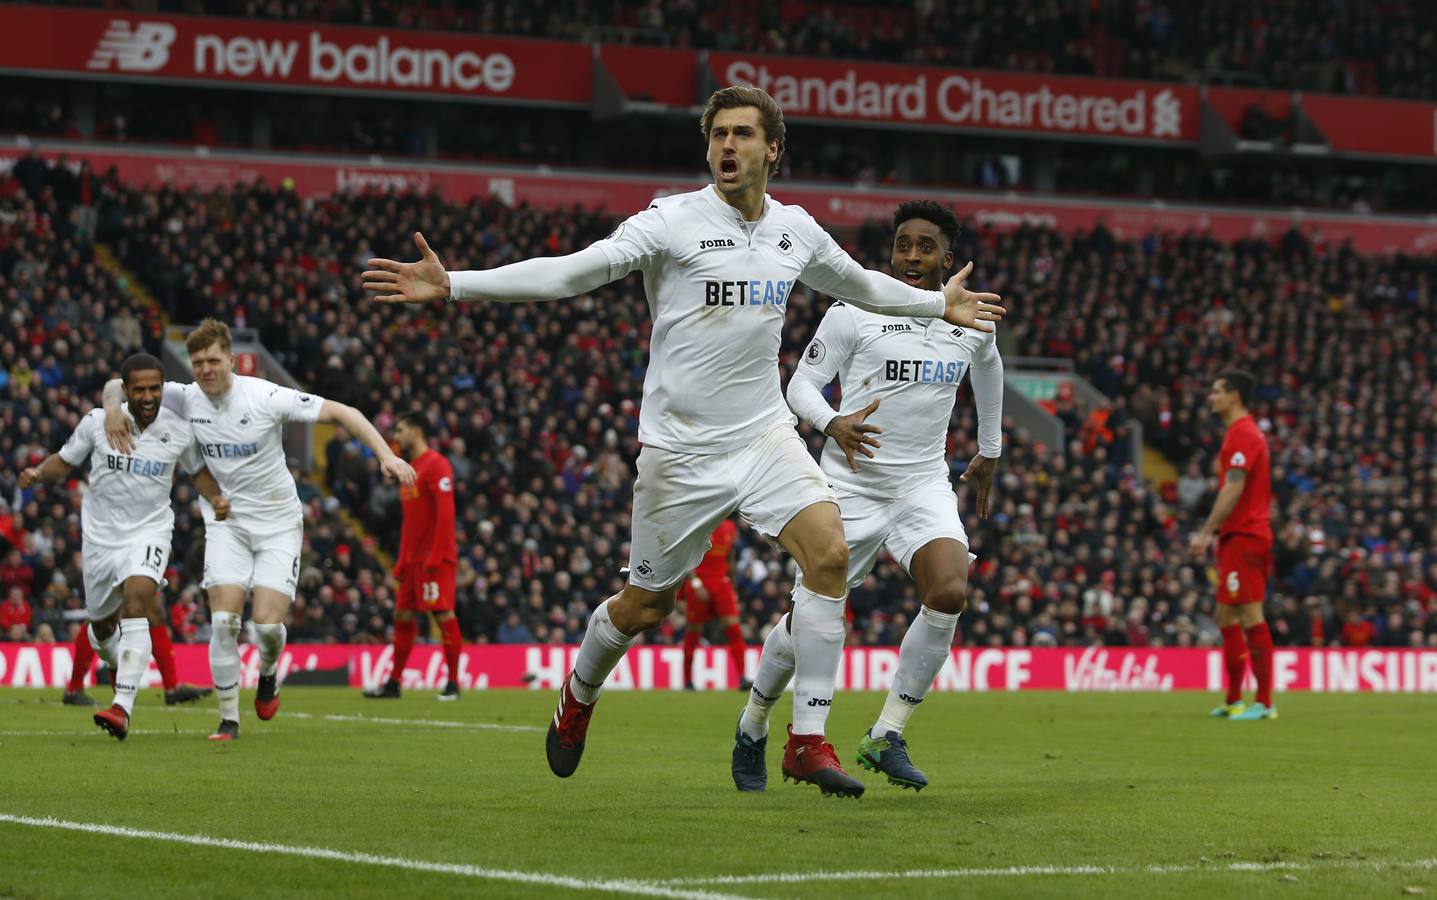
949	597
830	561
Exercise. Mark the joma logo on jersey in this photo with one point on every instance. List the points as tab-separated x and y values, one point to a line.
923	371
901	326
746	293
228	451
135	466
718	242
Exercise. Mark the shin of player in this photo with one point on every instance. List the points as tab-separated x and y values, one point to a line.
899	381
1241	522
253	549
428	555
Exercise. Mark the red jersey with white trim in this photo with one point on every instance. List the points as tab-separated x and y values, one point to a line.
427	538
1244	447
715	564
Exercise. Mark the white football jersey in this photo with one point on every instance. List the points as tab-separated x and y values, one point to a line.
913	366
129	495
240	437
718	289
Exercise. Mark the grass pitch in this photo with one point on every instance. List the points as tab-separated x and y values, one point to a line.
1031	794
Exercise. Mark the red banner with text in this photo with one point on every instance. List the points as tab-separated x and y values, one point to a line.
542	667
895	94
836	206
309	56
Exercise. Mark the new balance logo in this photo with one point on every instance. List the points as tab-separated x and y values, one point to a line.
720	242
144	47
820	701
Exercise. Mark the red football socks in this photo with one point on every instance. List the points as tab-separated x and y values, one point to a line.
453	642
164	653
1234	657
734	633
84	658
1259	640
404	633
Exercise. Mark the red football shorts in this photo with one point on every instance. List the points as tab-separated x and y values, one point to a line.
722	601
1243	561
427	589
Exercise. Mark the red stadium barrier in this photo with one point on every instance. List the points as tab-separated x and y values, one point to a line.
864	668
834	205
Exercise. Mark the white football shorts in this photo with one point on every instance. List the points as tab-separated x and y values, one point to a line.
108	568
235	554
679	498
902	524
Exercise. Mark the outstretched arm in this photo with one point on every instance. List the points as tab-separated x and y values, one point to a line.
359	426
541	278
48	472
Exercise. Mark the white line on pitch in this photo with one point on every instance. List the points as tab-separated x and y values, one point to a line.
1025	871
613	886
378	720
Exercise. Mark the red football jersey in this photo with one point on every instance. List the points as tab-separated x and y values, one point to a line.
715	564
1244	447
428	534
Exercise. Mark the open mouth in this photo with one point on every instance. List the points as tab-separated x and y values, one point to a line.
912	276
728	167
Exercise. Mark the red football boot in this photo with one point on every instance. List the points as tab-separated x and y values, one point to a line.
114	720
266	697
228	731
565	742
809	758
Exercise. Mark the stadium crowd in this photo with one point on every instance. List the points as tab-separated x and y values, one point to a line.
535	407
1334	46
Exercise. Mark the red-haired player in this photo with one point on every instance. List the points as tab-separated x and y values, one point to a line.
427	556
708	594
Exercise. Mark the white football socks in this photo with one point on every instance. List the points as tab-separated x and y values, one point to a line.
926	647
225	662
270	640
602	648
134	658
818	632
107	649
775	670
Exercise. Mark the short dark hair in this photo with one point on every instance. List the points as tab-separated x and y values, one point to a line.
937	213
738	96
140	362
1240	382
417	421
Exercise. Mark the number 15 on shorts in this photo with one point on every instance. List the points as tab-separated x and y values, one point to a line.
154	559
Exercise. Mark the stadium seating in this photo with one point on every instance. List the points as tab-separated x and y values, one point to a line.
534	405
